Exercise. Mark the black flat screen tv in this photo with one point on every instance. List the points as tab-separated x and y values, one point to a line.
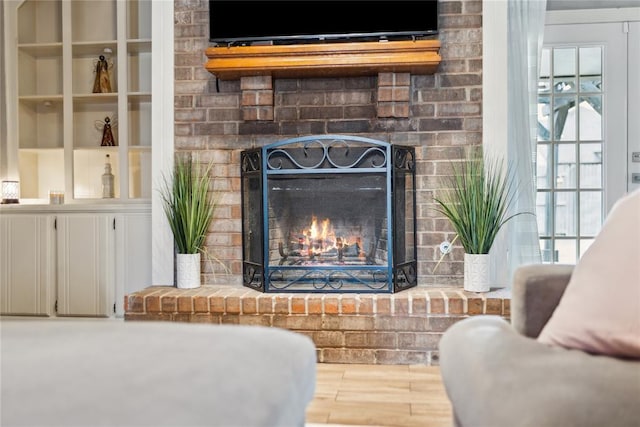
239	22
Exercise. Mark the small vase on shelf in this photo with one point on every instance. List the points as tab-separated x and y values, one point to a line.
107	180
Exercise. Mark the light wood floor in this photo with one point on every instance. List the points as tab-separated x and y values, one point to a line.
379	395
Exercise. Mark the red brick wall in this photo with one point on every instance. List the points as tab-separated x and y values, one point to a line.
220	118
404	328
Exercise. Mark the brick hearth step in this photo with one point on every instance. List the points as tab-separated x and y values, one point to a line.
401	328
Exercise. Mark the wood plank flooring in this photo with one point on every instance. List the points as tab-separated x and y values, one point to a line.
379	395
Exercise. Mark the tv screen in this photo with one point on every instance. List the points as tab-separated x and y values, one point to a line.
246	22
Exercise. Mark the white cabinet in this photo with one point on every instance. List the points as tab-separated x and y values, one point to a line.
55	120
27	264
86	266
73	260
132	255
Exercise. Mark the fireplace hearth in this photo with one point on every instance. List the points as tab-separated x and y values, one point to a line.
329	213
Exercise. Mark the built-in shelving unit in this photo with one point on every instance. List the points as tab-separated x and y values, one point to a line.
81	257
59	120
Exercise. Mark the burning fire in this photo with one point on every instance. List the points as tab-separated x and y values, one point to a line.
315	235
320	239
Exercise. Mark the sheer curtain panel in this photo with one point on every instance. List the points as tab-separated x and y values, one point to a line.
518	241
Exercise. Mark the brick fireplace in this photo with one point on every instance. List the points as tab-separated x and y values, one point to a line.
435	113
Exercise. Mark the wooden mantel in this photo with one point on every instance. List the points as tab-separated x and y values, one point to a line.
328	59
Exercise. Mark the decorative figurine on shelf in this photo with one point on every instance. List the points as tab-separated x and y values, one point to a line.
107	134
107	180
102	82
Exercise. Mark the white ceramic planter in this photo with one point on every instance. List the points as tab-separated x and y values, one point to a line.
476	272
188	271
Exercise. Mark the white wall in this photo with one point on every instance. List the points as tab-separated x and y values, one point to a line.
3	101
494	76
162	137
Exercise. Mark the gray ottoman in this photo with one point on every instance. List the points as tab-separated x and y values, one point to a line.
116	373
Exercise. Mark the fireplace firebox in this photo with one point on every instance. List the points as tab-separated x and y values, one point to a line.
329	213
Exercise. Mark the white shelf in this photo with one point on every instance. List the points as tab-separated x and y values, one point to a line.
38	150
95	98
46	100
94	47
139	45
139	96
112	150
41	49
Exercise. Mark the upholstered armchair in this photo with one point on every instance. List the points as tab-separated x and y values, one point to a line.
570	356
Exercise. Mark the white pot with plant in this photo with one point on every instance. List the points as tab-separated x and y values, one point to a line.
189	207
477	200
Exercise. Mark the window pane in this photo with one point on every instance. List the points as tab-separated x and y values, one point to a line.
590	84
591	118
564	62
544	86
590	69
564	85
590	212
545	63
543	213
564	118
544	119
591	165
565	165
566	251
544	164
547	252
565	214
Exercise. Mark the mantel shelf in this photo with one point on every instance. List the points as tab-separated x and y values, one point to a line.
321	60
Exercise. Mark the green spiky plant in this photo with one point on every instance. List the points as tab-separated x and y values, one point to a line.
188	204
477	199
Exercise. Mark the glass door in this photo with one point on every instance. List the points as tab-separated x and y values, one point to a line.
581	150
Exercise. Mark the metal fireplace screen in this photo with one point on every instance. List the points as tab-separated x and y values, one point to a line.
329	213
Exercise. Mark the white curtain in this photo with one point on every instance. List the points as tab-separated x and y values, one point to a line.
519	241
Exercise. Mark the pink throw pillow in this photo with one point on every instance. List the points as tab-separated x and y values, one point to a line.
599	312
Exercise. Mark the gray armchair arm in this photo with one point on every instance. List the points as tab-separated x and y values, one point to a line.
536	291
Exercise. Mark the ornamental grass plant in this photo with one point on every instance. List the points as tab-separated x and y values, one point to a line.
188	204
477	199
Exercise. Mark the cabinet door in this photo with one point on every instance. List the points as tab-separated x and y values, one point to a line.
27	267
133	255
85	264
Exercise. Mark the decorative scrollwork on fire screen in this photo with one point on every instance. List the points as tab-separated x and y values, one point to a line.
334	153
252	276
404	159
334	279
250	161
406	276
